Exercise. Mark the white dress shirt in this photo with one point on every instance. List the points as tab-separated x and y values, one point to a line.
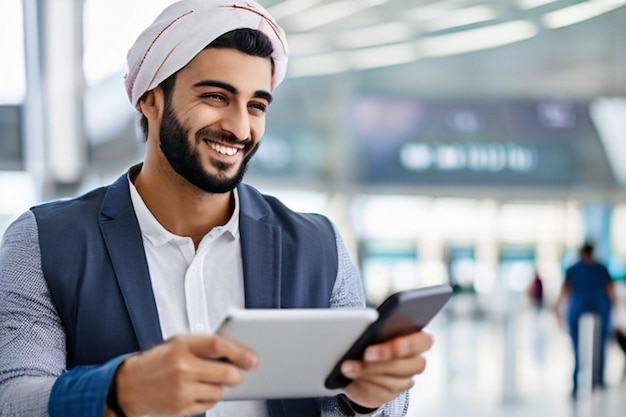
194	289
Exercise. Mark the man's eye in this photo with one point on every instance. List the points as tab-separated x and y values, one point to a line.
214	96
259	106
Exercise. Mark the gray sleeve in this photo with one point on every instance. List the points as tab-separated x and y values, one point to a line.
348	292
32	338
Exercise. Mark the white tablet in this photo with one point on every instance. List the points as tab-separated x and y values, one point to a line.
297	348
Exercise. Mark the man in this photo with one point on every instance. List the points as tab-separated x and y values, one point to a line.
108	301
588	287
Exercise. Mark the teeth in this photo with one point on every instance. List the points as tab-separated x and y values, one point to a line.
224	150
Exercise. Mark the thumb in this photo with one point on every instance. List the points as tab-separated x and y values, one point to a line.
211	346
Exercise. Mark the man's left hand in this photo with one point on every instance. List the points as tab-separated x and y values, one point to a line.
387	369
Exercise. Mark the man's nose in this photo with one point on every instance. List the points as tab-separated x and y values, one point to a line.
236	121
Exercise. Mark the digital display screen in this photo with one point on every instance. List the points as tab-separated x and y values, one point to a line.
543	143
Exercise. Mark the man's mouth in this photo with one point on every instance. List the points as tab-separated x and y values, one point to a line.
223	149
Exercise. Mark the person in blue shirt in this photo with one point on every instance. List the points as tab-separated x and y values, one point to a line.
588	287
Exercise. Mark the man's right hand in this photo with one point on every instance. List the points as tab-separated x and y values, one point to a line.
186	374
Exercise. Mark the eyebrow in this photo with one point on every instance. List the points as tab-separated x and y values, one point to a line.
232	89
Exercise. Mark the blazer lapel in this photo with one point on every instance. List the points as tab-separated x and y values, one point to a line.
123	239
260	248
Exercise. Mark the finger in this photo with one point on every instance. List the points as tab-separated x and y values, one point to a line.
211	371
398	368
215	346
373	393
197	407
192	398
385	386
400	347
197	394
204	393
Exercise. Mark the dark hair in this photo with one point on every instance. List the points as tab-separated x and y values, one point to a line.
249	41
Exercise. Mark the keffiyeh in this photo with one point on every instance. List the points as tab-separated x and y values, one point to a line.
184	28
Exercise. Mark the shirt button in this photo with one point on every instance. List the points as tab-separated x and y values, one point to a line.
198	327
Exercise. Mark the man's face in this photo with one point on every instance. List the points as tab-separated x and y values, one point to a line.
215	117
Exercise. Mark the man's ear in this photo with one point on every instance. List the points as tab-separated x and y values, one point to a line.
151	103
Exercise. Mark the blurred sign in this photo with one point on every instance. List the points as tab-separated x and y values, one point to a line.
408	141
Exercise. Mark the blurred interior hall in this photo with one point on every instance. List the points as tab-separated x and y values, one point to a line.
471	142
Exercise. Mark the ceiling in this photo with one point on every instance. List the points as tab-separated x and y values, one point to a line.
475	48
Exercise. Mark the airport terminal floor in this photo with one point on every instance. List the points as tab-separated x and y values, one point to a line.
515	367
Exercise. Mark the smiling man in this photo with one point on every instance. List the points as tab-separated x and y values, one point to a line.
108	301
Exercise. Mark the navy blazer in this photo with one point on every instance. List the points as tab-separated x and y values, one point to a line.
93	260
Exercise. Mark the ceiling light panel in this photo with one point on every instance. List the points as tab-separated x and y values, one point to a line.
477	39
308	44
532	4
323	14
460	17
338	62
327	64
383	56
393	32
434	10
288	8
579	12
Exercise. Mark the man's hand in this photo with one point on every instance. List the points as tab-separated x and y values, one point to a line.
187	374
387	369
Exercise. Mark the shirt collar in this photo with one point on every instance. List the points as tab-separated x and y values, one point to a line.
158	235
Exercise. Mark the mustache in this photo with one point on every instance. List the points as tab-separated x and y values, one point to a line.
213	135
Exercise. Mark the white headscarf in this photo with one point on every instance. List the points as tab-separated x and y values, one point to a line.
184	28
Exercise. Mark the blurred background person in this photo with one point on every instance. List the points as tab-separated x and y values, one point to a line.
588	288
536	296
535	291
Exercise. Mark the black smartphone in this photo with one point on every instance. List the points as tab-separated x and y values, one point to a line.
401	313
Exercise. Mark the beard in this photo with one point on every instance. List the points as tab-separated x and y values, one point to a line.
186	161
